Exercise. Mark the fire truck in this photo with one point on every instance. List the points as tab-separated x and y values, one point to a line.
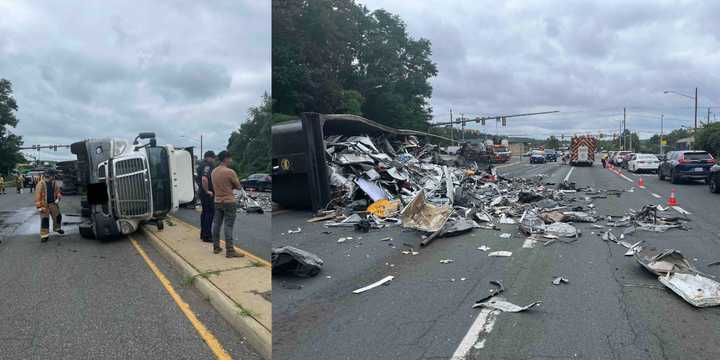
582	150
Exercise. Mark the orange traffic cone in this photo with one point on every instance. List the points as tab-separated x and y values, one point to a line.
672	201
641	182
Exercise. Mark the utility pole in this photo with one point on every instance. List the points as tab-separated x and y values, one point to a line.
624	138
708	119
201	145
462	126
661	133
695	132
452	128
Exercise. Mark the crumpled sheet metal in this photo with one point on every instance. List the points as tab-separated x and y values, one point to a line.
697	290
562	229
664	261
420	215
294	261
497	303
531	223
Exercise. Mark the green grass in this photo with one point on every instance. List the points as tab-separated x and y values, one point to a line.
188	280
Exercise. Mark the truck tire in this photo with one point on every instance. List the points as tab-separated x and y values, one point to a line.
674	178
713	185
86	231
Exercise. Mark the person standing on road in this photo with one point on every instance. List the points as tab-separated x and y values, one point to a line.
31	180
19	182
225	180
205	189
604	160
2	185
47	200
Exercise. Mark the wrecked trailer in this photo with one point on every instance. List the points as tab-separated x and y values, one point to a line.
123	185
301	175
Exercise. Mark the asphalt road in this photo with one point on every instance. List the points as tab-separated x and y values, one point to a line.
75	298
250	231
611	309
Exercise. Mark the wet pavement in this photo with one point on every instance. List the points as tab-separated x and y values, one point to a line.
76	298
611	308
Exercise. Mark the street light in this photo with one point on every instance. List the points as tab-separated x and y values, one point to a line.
695	98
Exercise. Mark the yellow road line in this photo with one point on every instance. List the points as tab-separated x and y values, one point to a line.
247	254
206	335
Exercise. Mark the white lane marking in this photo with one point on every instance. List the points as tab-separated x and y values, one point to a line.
625	177
483	324
681	210
656	196
568	174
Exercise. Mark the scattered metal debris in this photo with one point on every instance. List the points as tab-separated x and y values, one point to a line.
559	280
505	306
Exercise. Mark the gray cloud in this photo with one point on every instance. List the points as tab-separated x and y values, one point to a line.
587	59
179	68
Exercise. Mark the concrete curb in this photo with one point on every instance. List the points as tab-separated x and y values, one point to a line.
258	336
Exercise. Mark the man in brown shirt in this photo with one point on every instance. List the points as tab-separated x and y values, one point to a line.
224	181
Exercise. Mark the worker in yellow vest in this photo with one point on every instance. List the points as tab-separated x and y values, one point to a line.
47	200
19	182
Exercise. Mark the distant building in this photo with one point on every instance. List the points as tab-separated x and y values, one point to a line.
685	143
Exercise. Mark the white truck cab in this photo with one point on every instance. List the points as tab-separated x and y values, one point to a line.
125	185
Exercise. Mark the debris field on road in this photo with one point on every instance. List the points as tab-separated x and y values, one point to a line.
379	182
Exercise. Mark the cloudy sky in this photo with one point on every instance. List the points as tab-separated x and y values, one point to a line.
586	59
114	68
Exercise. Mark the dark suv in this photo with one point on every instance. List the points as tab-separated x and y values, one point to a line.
686	164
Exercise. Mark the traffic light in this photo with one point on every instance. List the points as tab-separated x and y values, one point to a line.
504	121
482	121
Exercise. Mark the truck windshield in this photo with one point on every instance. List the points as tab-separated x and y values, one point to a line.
158	161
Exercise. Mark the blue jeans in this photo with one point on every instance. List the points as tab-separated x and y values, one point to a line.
224	212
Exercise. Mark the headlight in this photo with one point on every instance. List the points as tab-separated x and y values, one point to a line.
119	147
126	227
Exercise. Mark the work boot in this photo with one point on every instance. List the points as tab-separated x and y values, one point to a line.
233	254
207	240
217	250
44	239
61	231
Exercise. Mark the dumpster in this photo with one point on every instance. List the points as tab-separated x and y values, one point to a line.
300	171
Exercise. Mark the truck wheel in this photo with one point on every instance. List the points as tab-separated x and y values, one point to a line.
674	178
712	185
86	231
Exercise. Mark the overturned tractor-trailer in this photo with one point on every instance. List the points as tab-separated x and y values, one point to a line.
301	176
123	185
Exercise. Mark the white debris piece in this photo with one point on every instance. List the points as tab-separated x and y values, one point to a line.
446	261
291	231
505	235
483	248
502	305
374	285
500	253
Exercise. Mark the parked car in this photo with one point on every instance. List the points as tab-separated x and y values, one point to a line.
551	155
537	157
713	179
617	158
259	182
643	162
686	164
625	159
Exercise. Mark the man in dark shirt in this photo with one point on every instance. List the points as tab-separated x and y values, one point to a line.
205	189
